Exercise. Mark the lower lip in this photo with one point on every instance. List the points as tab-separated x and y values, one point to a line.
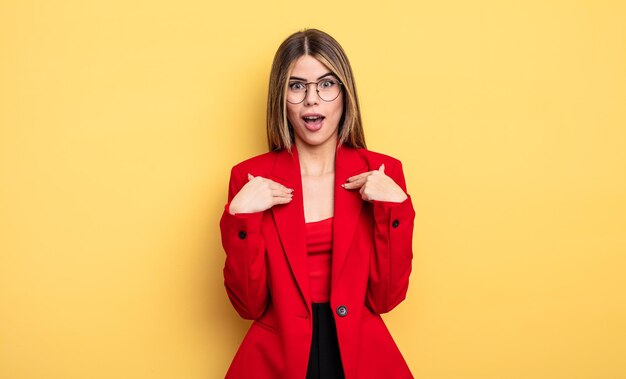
314	126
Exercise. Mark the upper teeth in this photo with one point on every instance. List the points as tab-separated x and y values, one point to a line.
312	117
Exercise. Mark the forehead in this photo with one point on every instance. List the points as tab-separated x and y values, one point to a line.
309	68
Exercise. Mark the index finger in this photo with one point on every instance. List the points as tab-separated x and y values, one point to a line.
276	185
359	176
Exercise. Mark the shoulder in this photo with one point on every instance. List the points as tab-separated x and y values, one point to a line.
375	159
393	166
257	165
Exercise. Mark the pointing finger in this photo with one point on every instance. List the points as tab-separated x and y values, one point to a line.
355	184
275	186
360	176
250	177
281	193
382	168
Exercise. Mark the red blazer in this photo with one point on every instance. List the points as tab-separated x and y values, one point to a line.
266	275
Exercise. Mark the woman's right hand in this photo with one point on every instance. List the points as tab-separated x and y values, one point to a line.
258	195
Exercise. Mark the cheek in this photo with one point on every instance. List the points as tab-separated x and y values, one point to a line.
292	114
339	108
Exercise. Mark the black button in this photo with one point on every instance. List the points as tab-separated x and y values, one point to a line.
395	223
242	235
342	310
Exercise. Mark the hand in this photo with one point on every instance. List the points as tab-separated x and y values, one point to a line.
375	185
258	195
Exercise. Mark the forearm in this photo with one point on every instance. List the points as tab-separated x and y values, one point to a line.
245	271
391	259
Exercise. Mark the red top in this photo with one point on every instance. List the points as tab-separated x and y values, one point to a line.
319	237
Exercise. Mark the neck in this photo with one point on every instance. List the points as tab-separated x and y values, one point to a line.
316	160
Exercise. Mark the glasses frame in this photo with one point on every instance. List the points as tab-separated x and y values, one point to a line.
317	83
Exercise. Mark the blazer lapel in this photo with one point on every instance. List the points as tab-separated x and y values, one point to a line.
289	219
347	206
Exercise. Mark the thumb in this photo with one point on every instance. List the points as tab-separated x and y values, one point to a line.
250	177
382	168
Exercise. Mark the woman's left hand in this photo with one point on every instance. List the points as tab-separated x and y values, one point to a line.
375	185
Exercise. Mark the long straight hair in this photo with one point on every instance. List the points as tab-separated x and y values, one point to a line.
326	49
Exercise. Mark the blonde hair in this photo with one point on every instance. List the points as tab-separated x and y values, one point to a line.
327	50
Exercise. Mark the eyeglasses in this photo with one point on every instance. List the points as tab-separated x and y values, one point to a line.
327	89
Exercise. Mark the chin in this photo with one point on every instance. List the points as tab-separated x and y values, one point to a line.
315	142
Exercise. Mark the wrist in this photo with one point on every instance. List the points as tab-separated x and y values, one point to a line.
233	210
402	197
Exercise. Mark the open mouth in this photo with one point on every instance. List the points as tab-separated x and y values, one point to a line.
313	122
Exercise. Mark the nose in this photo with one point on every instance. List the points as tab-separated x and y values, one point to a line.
311	94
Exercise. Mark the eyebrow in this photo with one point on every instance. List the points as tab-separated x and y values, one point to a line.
304	80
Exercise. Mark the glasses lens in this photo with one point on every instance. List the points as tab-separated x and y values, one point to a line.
296	92
328	89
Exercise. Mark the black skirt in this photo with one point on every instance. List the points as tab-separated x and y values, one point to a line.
324	360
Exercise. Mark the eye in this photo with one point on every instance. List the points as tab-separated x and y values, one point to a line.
296	86
328	83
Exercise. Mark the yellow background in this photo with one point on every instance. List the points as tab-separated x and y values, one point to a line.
120	122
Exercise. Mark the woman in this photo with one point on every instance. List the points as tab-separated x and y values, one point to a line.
318	231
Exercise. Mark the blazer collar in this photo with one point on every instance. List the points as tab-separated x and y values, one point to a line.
289	218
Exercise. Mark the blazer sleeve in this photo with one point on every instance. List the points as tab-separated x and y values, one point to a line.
245	271
391	258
